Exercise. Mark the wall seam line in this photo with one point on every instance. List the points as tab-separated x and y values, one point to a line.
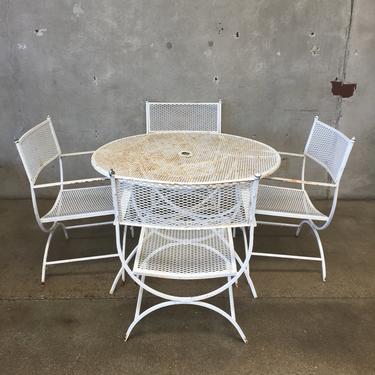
342	77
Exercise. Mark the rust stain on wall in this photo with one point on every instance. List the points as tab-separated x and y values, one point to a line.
345	90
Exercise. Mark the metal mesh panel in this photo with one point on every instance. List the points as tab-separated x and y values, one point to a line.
184	206
80	203
183	117
286	202
159	157
328	147
185	254
38	147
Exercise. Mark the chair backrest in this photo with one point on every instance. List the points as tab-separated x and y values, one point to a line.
184	206
328	147
183	117
37	148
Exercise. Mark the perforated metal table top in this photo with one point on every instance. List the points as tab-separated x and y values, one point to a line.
186	158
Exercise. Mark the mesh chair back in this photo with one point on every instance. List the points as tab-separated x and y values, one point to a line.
184	206
328	147
183	117
37	148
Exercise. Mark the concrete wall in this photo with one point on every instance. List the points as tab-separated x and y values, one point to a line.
91	65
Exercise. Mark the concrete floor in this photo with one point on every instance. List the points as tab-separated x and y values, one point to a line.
299	325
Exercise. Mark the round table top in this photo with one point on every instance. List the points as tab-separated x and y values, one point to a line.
186	158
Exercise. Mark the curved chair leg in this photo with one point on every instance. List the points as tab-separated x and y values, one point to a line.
46	249
234	236
118	276
65	231
121	272
132	231
318	240
321	251
247	272
298	231
197	303
248	278
231	302
43	278
123	252
115	281
139	299
251	285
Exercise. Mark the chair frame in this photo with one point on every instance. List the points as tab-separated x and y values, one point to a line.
61	184
148	115
302	182
198	300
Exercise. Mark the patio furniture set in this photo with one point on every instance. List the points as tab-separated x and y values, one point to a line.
188	187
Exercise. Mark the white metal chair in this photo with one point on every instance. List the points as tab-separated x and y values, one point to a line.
330	149
183	117
39	147
185	235
162	117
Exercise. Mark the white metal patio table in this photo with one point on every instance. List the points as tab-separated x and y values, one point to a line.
186	158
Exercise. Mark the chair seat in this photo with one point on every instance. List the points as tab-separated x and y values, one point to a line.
185	254
286	202
81	203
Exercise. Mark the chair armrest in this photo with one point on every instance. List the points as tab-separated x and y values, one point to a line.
291	154
76	153
71	182
293	181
